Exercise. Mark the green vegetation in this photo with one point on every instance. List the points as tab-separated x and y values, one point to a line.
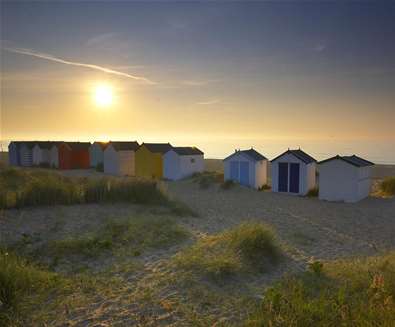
387	186
20	188
312	192
227	185
18	280
247	247
208	178
342	293
134	235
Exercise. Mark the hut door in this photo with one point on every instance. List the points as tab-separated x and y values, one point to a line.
294	178
244	173
234	171
283	177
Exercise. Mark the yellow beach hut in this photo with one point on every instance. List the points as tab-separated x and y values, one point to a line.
149	159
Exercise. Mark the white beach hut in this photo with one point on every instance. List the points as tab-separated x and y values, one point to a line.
26	153
293	172
42	153
119	158
247	167
54	155
96	153
345	178
181	162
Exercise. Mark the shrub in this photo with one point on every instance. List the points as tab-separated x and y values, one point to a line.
265	187
345	293
312	192
387	186
242	249
227	184
206	179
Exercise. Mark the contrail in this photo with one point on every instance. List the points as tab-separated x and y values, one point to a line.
49	57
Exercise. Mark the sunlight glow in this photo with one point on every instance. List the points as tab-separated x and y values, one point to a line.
103	95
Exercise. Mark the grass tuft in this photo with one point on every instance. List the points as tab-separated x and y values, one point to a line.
387	186
247	247
343	293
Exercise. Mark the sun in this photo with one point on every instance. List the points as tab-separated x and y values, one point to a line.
103	95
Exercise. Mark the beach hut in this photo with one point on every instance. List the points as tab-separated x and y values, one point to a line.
119	158
181	162
26	153
42	153
345	178
96	153
54	155
14	153
246	167
149	159
74	155
293	172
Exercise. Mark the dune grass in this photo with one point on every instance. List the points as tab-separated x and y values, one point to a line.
21	188
18	280
387	186
133	235
245	248
343	293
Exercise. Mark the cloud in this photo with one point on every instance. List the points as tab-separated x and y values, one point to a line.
199	82
209	102
49	57
319	47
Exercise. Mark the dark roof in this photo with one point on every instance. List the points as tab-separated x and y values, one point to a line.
251	153
124	146
103	145
158	147
78	145
300	154
186	150
29	144
46	144
353	160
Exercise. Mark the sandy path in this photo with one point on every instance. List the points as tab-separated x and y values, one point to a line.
315	228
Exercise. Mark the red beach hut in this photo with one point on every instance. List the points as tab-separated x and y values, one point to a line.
74	155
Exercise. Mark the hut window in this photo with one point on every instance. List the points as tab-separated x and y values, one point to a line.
192	160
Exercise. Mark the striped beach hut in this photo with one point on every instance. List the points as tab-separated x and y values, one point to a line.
149	159
26	153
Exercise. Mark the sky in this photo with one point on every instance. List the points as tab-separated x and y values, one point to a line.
217	75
